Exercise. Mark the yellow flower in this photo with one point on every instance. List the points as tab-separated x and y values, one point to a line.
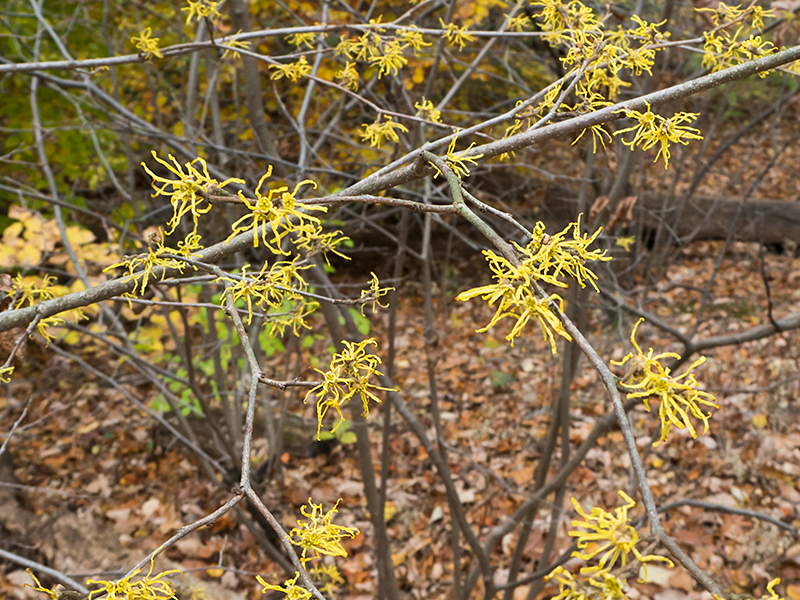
234	43
329	576
318	536
311	238
456	36
529	307
187	193
41	327
723	12
290	588
758	15
378	131
52	593
295	318
771	593
373	294
652	129
678	399
5	376
412	38
426	110
569	588
149	588
458	161
142	267
146	44
625	242
347	376
545	259
648	31
609	586
391	60
610	536
27	291
274	287
519	23
348	77
517	301
298	39
293	71
201	9
276	209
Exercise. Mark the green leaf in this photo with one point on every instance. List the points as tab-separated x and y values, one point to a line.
348	437
160	405
499	379
362	322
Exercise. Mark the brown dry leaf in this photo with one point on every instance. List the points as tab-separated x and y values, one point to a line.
623	213
597	207
681	579
523	475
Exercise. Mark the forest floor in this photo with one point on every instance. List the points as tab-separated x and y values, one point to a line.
97	486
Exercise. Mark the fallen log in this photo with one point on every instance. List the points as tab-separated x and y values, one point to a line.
772	222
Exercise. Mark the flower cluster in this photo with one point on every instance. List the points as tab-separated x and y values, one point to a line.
318	536
604	53
544	259
147	588
188	193
278	287
299	39
678	396
27	291
142	266
599	586
201	9
519	23
379	131
609	536
426	110
733	41
455	35
347	377
313	240
348	76
327	576
293	71
651	129
290	588
146	44
386	52
273	213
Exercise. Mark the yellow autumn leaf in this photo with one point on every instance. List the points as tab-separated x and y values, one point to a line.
13	231
760	420
79	236
29	256
389	510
